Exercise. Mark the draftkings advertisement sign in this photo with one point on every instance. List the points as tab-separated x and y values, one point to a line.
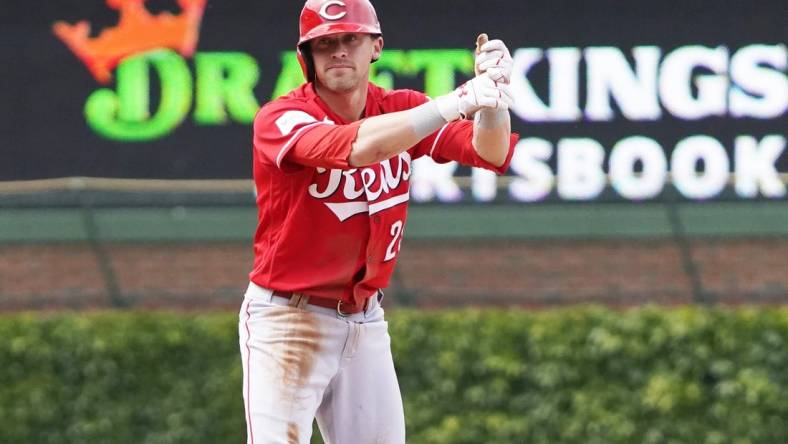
611	98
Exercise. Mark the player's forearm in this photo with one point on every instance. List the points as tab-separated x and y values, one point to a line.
385	136
491	132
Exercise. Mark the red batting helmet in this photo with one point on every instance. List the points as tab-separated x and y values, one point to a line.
325	17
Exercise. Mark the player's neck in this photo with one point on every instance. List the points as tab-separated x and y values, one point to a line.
347	105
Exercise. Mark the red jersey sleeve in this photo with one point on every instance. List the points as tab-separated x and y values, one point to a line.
292	134
454	142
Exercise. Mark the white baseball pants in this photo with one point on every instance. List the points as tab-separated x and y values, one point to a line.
301	364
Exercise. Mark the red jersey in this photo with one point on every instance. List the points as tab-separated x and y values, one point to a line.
324	228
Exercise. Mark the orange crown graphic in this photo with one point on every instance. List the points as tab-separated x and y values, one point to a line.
137	31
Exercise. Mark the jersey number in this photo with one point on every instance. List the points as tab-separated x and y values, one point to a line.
396	241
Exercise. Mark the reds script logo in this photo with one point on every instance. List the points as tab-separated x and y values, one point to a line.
385	185
376	183
324	10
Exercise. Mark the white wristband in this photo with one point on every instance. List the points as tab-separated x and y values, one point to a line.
425	119
449	107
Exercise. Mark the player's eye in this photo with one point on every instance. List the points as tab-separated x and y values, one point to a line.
323	43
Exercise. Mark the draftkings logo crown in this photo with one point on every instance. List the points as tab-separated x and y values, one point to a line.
137	31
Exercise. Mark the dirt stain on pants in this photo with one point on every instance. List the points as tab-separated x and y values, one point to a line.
295	355
292	433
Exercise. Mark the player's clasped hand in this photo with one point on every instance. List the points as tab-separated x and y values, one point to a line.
475	94
483	92
495	60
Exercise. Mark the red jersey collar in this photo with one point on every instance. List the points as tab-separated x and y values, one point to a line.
370	109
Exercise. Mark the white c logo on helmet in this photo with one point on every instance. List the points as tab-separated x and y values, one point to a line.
324	10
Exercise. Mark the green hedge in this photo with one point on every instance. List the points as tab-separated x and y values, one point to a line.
580	375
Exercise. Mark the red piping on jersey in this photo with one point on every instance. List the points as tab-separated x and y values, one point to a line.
292	140
435	143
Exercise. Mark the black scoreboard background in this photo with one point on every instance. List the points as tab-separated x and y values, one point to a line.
45	131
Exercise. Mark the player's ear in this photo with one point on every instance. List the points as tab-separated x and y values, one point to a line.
377	48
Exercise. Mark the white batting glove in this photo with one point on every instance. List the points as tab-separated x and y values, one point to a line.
475	94
495	60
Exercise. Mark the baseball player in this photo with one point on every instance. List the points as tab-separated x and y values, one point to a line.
332	163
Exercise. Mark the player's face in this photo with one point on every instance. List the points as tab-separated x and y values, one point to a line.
342	60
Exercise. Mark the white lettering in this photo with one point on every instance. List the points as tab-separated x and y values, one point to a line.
676	82
691	82
403	160
357	182
623	157
609	74
688	153
331	187
759	91
527	105
431	180
580	174
484	184
369	177
637	169
564	85
755	166
350	191
530	163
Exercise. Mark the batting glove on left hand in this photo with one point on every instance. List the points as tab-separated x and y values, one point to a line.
479	92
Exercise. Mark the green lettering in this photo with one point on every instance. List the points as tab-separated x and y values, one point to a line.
439	67
124	116
225	79
133	90
290	77
393	61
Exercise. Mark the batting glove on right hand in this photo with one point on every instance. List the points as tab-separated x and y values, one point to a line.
495	60
479	92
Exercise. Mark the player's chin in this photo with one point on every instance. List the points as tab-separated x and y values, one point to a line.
341	84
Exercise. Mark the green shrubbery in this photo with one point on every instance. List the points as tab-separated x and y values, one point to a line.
581	375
